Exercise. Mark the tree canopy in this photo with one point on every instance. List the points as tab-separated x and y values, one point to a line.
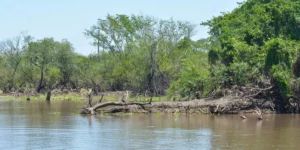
257	41
138	53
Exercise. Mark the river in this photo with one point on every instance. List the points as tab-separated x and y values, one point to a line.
57	125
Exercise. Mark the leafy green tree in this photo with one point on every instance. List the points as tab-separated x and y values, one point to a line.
12	52
140	50
41	54
65	62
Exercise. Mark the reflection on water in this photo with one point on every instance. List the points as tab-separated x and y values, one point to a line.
56	125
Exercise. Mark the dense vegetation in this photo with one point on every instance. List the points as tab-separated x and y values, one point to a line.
256	45
137	53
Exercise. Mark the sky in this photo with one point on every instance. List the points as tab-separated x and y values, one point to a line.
68	19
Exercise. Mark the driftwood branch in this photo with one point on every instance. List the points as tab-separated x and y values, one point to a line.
150	101
222	106
258	113
90	98
260	90
91	109
136	97
126	96
243	117
101	105
101	98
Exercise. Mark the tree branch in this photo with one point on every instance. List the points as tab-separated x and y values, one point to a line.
260	90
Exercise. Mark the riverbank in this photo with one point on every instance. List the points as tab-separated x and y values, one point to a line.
120	102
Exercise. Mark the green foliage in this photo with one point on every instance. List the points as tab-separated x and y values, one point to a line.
53	60
219	76
53	75
12	51
280	51
282	78
140	53
41	64
64	60
41	53
252	24
241	73
257	39
193	79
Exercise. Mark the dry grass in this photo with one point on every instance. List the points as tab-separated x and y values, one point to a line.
82	96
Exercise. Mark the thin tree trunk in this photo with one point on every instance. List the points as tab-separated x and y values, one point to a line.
98	47
48	95
40	83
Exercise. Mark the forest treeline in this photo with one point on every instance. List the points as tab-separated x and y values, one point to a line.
256	45
137	53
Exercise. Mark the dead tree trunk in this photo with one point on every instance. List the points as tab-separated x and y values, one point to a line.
91	109
157	81
38	89
224	105
48	97
101	98
90	98
258	113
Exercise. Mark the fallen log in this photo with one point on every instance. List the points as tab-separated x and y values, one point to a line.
92	109
225	105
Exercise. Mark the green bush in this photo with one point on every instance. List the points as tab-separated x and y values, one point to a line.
192	82
282	78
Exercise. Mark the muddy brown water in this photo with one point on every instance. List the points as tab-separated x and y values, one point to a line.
56	125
